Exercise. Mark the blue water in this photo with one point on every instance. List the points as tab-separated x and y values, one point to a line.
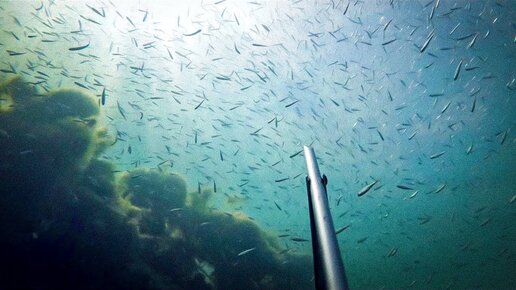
416	95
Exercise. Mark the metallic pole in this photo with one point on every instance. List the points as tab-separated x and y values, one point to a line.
328	266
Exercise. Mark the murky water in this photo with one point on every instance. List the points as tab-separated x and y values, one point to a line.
157	144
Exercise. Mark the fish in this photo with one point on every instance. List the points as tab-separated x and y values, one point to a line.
427	42
121	110
90	20
346	9
40	7
470	148
390	96
291	104
457	71
103	97
96	11
197	107
295	154
440	188
454	28
388	41
387	25
170	54
470	45
299	240
244	252
424	220
504	136
380	134
445	107
277	205
236	49
79	47
431	13
255	133
277	162
163	162
15	53
342	229
392	252
437	155
130	21
339	199
359	241
485	222
193	33
297	176
366	188
81	85
465	36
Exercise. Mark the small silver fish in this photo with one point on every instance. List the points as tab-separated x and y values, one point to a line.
246	252
366	188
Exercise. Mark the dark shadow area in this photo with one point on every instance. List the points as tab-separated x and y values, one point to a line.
69	223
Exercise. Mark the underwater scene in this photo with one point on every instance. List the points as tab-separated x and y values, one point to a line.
159	144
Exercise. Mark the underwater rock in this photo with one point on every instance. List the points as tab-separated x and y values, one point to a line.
99	178
243	256
69	103
15	93
199	200
68	223
155	193
21	98
149	188
39	147
57	231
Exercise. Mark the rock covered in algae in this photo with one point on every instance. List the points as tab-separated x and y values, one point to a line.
149	188
46	137
66	223
57	231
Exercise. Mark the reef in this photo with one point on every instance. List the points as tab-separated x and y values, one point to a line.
69	222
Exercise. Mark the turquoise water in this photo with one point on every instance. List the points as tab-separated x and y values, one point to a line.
150	144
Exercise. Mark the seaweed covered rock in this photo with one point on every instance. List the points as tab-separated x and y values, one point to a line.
40	157
154	193
149	188
68	103
99	178
58	230
39	148
242	256
67	223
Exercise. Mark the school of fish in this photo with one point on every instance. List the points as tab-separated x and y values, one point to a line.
409	106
